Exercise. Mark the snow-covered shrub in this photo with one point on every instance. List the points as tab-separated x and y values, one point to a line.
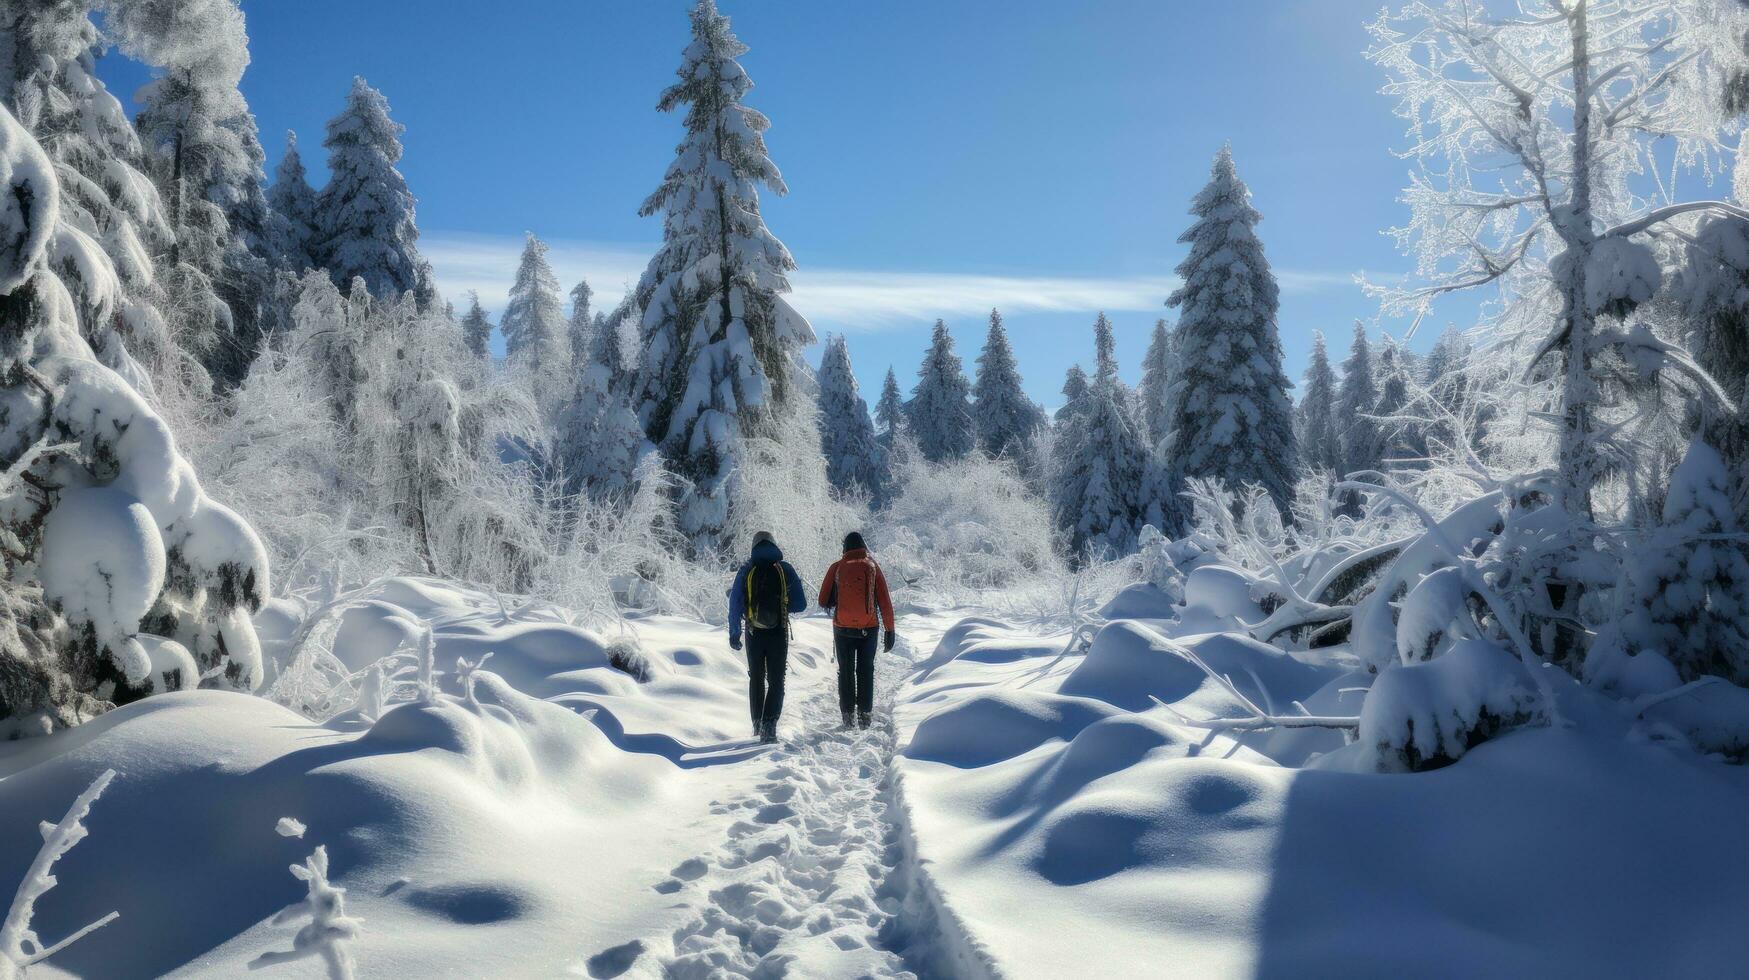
1159	565
107	533
970	524
782	487
1425	715
1688	591
626	655
329	930
20	947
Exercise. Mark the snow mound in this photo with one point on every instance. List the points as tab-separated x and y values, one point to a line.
990	727
1713	715
983	641
1127	667
1144	600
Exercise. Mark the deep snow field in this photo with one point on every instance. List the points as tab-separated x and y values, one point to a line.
1022	808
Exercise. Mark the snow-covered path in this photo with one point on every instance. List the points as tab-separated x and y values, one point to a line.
799	884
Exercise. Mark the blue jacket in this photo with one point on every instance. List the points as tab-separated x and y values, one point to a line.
764	551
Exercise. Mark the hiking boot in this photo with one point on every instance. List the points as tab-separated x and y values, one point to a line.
849	719
768	733
864	719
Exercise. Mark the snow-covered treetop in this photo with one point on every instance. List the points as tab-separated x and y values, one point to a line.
534	318
367	210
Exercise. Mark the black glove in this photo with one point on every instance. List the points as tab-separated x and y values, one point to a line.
887	641
734	641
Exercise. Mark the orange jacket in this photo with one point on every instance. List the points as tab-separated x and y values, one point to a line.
865	591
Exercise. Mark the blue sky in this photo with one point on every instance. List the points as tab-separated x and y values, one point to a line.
942	157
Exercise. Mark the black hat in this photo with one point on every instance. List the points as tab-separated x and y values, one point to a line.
853	540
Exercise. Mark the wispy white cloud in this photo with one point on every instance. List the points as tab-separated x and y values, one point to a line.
845	298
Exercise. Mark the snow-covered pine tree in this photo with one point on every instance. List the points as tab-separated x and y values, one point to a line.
1006	420
600	440
1356	397
1103	459
122	578
1320	447
534	328
721	345
205	155
294	205
365	212
1075	391
1400	437
49	82
940	411
890	412
580	327
1714	284
1689	596
477	329
854	459
1233	421
1159	371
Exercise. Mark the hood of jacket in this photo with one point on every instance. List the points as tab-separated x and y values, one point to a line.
766	551
855	553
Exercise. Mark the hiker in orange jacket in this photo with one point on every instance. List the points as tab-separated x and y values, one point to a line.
855	591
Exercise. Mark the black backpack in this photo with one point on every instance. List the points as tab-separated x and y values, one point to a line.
767	597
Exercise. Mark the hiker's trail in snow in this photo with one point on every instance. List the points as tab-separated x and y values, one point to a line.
798	887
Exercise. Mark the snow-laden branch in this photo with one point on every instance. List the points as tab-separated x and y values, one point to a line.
20	947
1474	582
1256	718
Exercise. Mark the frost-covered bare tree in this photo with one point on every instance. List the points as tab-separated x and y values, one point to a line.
1546	137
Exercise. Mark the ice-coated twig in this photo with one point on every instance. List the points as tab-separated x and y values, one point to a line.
464	669
20	946
329	928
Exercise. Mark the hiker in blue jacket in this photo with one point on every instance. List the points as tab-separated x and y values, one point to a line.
763	596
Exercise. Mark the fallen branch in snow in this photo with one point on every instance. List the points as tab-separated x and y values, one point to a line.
1258	719
20	948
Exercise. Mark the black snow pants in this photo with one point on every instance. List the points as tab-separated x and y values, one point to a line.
767	660
856	665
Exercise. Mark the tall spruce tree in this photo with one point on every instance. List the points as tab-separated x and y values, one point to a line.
477	329
294	205
1075	391
1234	420
854	458
1159	371
721	345
940	410
366	210
1103	458
535	332
890	412
580	328
1356	397
1320	447
1005	418
1400	436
